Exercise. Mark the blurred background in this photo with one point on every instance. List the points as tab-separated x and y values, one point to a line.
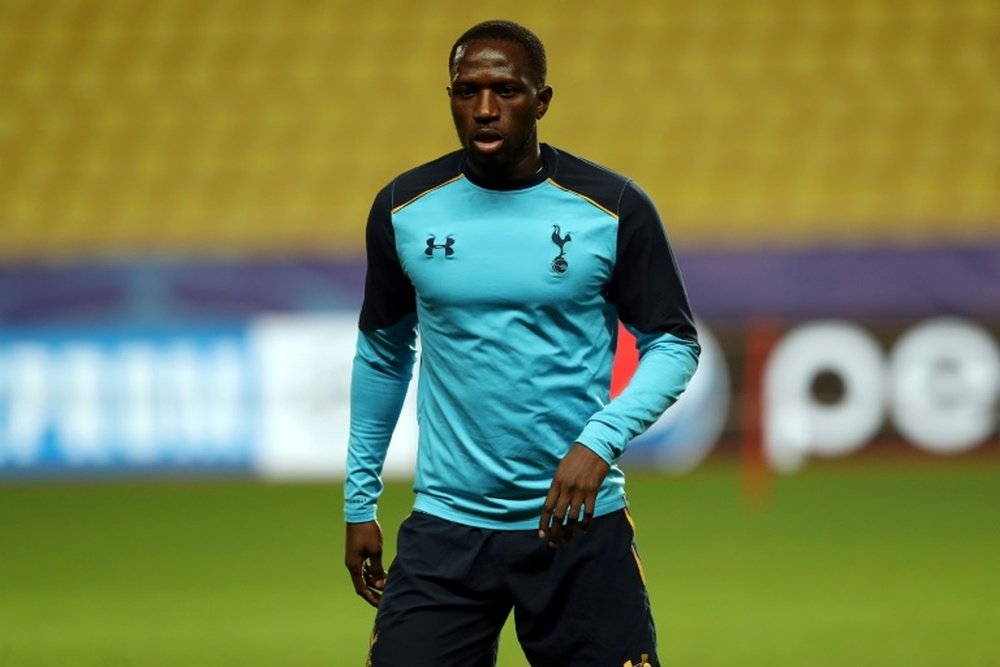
183	192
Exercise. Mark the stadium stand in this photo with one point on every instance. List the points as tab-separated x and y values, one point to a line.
263	128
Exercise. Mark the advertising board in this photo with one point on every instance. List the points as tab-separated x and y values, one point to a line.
160	368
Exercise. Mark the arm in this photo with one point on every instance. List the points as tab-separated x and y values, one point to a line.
382	370
666	364
383	366
649	295
648	292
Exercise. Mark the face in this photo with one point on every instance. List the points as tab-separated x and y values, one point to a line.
496	104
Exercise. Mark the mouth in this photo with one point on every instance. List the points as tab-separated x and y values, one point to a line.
487	141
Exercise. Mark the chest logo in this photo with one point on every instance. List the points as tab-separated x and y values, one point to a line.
447	246
559	264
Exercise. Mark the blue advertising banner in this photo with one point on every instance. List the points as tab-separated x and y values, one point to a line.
109	399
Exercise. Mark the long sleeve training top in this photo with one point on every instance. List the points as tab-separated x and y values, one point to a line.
516	292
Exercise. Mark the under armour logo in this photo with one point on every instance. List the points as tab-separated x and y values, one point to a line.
643	662
559	264
447	246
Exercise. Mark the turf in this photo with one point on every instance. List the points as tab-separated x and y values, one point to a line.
847	565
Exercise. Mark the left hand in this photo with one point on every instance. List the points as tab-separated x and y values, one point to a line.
575	485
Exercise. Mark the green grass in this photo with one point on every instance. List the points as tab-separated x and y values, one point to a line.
848	565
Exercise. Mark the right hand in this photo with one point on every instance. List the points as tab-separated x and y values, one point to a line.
363	557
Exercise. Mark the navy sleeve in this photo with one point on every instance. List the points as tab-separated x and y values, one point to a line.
389	294
649	295
646	285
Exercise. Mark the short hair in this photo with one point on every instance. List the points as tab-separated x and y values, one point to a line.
507	31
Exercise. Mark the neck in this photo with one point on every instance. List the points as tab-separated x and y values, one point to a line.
526	172
518	170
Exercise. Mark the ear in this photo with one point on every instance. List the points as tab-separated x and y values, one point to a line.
544	97
447	89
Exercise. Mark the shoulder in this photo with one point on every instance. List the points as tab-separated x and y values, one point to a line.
415	182
606	187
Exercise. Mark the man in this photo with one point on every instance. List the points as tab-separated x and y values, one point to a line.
514	260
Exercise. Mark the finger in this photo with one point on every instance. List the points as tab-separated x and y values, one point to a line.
373	582
588	511
568	530
360	587
371	598
558	517
556	531
375	589
376	572
576	507
547	508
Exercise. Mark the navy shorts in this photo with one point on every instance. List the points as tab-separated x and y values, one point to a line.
451	587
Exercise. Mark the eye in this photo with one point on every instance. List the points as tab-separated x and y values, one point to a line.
465	91
507	91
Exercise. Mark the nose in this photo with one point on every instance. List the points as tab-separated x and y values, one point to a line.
486	109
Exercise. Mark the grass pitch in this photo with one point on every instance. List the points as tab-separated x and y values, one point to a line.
875	564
